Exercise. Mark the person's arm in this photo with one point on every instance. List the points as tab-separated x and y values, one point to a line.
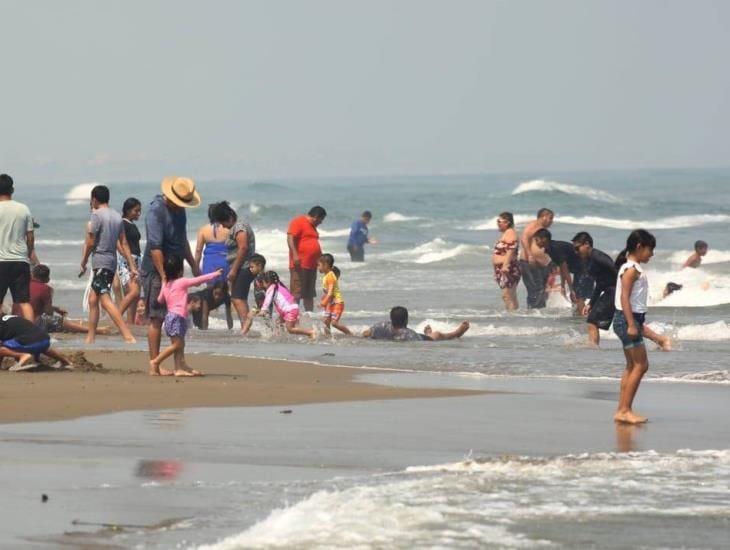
689	262
88	246
566	279
187	282
241	253
199	247
229	315
329	295
267	301
204	313
162	296
293	250
627	284
195	268
155	235
30	241
158	260
127	254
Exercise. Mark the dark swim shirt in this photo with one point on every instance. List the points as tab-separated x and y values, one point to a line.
13	327
385	331
563	251
603	270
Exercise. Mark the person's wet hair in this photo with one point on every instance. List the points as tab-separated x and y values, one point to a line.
6	184
700	245
101	194
336	271
544	211
317	212
221	212
130	204
173	267
257	259
367	214
399	317
327	259
672	287
508	217
638	237
583	237
41	273
543	235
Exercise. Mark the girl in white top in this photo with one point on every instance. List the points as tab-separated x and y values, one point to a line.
632	292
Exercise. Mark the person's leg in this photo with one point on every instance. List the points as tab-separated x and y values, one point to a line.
53	354
129	303
21	357
181	367
309	281
664	342
241	307
457	333
155	370
117	292
327	321
26	311
342	328
154	337
292	328
93	317
509	297
113	312
639	365
594	336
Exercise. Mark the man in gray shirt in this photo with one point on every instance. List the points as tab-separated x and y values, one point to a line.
104	236
16	248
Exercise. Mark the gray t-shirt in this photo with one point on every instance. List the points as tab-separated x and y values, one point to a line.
385	331
106	225
15	222
233	245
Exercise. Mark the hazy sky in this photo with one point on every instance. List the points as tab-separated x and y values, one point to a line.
104	90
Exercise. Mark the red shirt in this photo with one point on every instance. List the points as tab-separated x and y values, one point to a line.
40	298
306	240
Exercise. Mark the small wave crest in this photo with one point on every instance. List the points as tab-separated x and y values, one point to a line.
436	250
544	186
395	217
713	256
673	222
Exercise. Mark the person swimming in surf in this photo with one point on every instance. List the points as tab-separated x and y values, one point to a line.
695	259
398	331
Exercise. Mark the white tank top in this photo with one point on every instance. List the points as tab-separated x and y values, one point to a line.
639	292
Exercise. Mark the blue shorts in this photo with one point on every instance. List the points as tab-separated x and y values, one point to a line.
35	349
175	325
621	327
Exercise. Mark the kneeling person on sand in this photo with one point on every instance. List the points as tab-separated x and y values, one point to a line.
398	331
25	342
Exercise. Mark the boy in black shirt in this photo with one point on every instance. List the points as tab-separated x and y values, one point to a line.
25	342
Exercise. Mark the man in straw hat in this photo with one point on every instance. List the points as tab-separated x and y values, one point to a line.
166	225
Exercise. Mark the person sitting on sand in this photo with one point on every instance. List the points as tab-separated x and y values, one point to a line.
279	297
398	331
174	295
25	342
695	259
47	316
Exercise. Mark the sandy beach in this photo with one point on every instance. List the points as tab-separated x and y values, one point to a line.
121	383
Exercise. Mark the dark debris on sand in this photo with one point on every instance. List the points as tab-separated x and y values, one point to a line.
77	358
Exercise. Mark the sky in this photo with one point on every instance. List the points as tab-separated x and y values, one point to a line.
134	90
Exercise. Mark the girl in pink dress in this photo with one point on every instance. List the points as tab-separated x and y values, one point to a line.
279	297
174	295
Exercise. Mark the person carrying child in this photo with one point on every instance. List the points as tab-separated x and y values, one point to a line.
332	302
25	342
632	292
279	297
174	295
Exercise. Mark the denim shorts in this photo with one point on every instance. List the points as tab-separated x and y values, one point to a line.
621	327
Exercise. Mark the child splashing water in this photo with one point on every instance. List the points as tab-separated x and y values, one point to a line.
279	297
174	294
632	291
332	302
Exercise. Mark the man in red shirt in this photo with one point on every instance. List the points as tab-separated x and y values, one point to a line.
304	252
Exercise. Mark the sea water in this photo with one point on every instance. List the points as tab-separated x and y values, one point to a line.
435	236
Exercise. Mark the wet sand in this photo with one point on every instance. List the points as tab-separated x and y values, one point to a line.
123	385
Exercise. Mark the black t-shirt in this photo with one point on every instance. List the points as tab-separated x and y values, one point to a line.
563	251
21	330
131	233
206	295
604	272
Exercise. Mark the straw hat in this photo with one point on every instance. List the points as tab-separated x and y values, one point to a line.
180	191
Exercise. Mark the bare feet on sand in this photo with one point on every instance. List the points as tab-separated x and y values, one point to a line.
629	417
90	340
188	372
131	340
155	370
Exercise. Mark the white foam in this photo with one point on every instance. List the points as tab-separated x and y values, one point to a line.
674	222
557	187
394	217
520	219
488	330
713	256
436	250
710	332
699	288
334	232
59	242
80	193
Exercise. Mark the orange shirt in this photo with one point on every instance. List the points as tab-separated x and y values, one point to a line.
306	240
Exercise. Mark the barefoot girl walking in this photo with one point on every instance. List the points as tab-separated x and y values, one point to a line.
632	291
174	294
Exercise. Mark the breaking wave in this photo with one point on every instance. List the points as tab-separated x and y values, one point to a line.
544	186
80	194
394	217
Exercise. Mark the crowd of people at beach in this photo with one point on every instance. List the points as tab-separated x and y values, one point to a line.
150	287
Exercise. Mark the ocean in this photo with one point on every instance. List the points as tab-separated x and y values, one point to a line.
435	236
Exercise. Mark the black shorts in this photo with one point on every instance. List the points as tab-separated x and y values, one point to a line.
15	276
357	253
303	283
242	284
151	286
101	282
601	313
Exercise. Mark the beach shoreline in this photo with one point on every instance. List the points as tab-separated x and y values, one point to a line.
122	384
